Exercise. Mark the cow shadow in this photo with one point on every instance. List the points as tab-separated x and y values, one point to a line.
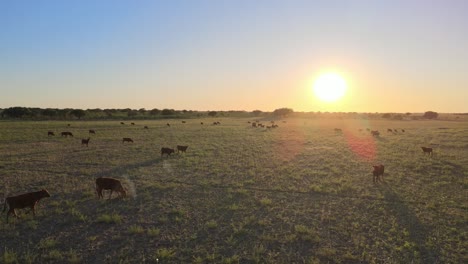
121	170
418	232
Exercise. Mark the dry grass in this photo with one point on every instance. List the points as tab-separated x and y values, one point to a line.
298	193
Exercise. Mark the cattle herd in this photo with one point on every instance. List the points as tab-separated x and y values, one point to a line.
30	200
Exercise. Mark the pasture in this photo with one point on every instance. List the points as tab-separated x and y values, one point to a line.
298	193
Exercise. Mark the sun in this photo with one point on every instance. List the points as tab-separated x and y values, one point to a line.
329	87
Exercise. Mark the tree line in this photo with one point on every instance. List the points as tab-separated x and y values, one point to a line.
127	113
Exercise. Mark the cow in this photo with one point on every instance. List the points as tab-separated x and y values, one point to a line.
168	124
127	140
122	123
68	125
403	130
181	148
377	172
338	130
146	127
167	151
24	200
66	134
50	133
201	123
132	124
92	131
109	184
254	124
375	133
85	141
427	150
389	130
183	122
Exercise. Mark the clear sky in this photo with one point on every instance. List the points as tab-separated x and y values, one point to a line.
396	56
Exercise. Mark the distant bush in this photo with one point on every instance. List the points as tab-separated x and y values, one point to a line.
212	113
430	115
283	111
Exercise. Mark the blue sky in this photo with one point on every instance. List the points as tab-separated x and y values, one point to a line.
397	56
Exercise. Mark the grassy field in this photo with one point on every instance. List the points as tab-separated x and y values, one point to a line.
300	193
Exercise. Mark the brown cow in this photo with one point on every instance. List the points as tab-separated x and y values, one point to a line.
168	124
122	123
66	134
109	184
23	201
377	172
167	151
427	150
389	130
338	130
201	123
127	140
85	141
146	127
375	133
181	148
50	133
132	124
91	131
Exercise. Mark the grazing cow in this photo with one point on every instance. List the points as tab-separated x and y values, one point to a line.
389	130
146	127
109	184
122	123
85	141
168	124
181	148
132	124
167	151
338	130
377	172
183	122
403	130
127	140
66	134
217	122
201	123
254	124
23	201
427	150
375	133
92	131
50	133
68	125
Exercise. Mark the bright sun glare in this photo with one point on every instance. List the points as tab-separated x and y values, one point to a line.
329	87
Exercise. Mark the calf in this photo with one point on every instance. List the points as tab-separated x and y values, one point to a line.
85	141
50	133
109	184
92	131
377	172
167	151
427	150
66	134
181	148
127	140
23	201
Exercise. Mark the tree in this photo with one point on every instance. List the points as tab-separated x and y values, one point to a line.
155	111
283	111
430	115
256	112
168	112
79	113
16	112
49	112
212	113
